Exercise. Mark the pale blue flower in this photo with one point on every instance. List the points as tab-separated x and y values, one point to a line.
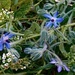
60	65
53	20
4	40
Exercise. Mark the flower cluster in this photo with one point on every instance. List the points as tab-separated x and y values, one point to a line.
6	13
8	62
7	59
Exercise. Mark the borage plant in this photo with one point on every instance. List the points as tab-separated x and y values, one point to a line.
37	37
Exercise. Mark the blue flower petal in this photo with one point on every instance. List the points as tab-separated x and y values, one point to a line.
59	68
59	20
53	20
10	35
7	45
53	62
47	16
55	25
48	24
1	46
55	14
6	33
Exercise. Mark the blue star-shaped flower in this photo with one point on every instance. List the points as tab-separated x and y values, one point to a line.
4	40
53	20
60	65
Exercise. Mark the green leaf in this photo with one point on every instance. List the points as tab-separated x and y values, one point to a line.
44	36
72	49
14	73
42	11
35	28
52	37
60	34
70	18
70	73
23	7
72	36
62	48
45	67
5	4
47	55
52	1
20	24
27	33
48	6
16	1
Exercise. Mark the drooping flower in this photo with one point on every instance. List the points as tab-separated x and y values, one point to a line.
36	53
60	65
4	40
53	20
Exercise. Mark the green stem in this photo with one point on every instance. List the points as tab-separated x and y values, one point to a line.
2	70
67	13
67	25
19	41
36	35
26	18
39	72
33	36
37	3
19	34
2	26
56	57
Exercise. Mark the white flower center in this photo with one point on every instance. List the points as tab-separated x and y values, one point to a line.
53	19
5	38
